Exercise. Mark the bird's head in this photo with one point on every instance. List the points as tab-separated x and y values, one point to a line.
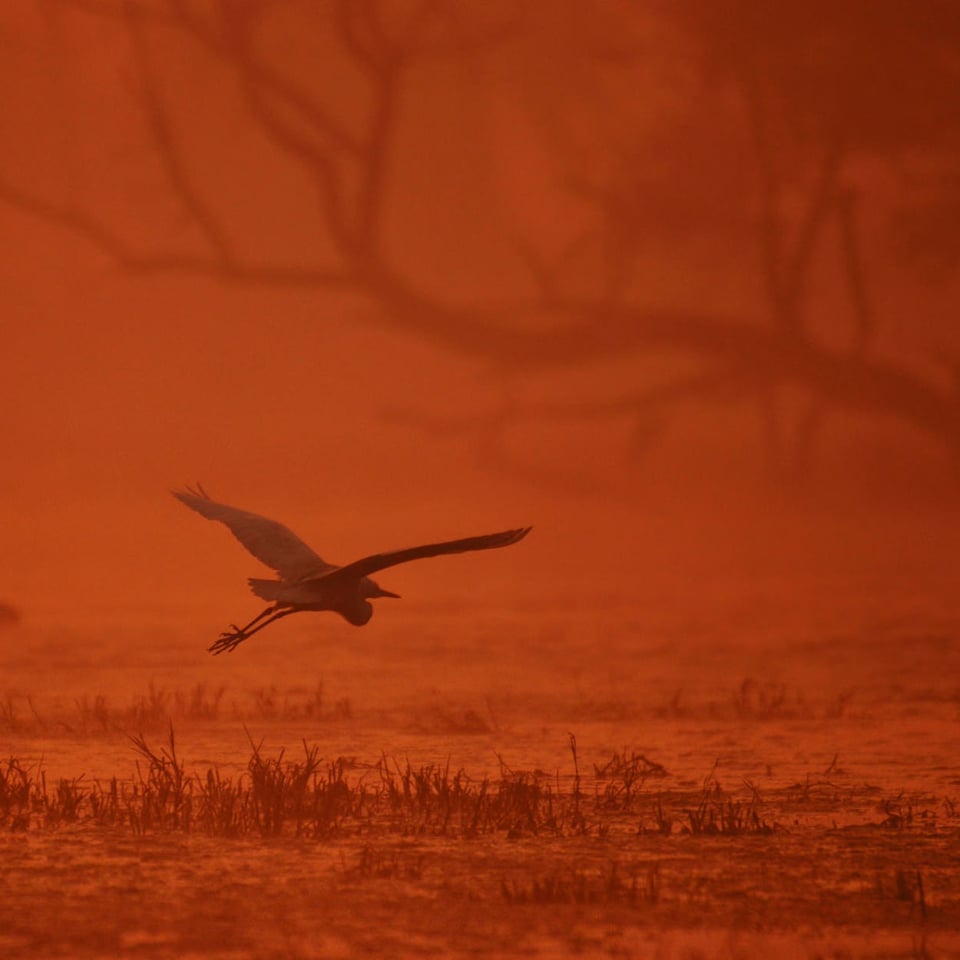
371	590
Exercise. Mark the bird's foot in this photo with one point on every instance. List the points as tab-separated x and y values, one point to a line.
229	640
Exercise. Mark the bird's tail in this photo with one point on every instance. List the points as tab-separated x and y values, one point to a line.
266	589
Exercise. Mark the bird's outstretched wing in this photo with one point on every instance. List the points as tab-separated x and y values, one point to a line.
379	561
269	541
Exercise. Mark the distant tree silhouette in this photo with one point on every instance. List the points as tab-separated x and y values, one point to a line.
785	103
8	615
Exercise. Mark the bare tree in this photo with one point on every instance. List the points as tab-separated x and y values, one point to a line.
791	90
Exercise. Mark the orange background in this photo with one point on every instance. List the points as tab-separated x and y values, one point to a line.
317	408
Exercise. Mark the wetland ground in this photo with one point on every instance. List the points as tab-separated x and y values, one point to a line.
775	774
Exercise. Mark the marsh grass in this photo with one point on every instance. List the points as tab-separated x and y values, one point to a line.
158	708
640	885
372	862
904	811
96	714
274	797
624	775
717	812
713	811
18	787
432	800
308	796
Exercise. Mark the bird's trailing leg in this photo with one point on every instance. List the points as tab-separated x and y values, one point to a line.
232	638
273	608
237	634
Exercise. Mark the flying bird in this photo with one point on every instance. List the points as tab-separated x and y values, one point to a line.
308	583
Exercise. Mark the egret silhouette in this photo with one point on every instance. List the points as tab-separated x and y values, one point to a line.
307	582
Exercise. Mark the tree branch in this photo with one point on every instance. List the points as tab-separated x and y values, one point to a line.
121	252
864	319
821	204
233	38
167	146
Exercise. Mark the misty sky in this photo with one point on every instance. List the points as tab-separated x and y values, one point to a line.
529	162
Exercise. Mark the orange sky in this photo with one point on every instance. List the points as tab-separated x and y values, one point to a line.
118	386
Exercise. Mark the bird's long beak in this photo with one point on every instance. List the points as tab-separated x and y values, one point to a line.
387	593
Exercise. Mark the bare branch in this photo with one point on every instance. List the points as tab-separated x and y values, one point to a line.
436	29
325	150
418	24
263	75
374	167
357	25
319	161
102	237
761	359
735	358
92	229
771	227
864	319
822	204
168	148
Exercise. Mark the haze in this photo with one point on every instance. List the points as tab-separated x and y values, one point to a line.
675	284
177	308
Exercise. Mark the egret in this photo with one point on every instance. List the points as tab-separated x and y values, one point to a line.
308	583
